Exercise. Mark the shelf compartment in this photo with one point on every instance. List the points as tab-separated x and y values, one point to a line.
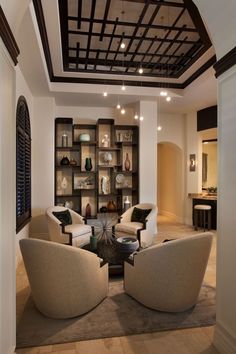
83	181
79	129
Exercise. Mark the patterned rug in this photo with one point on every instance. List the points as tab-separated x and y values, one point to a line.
117	315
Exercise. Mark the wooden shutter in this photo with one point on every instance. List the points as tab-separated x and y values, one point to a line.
23	164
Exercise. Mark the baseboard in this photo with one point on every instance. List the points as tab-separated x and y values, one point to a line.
223	340
172	216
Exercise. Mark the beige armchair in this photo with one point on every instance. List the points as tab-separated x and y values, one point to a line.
76	234
144	231
168	276
65	281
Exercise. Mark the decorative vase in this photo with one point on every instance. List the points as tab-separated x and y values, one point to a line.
73	162
111	206
127	162
64	140
127	203
93	243
88	211
65	161
103	209
88	164
84	137
107	157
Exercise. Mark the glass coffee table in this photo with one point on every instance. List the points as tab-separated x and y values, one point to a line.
115	252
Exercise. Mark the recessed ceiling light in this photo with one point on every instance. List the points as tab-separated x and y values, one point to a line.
163	93
168	99
118	106
123	88
136	116
140	70
141	118
122	45
122	111
159	128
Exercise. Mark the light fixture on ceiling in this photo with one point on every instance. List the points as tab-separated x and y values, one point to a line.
105	93
140	70
118	106
163	93
136	116
159	128
122	45
141	118
168	98
123	88
122	111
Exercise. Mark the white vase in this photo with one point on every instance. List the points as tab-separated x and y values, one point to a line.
64	183
127	203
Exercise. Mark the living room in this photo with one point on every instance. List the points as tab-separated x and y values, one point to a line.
43	111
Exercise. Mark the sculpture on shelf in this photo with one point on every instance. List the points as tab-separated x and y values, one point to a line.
107	157
64	184
105	185
106	141
88	211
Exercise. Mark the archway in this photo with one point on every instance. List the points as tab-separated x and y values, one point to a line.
170	181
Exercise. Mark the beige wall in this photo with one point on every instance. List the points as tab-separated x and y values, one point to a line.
170	181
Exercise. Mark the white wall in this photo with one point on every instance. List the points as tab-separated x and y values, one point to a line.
22	89
83	114
148	152
7	203
173	129
42	164
225	335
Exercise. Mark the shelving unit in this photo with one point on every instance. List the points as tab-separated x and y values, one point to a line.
110	178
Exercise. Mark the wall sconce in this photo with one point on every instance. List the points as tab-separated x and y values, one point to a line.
192	166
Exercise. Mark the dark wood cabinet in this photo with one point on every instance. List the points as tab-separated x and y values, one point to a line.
213	204
101	165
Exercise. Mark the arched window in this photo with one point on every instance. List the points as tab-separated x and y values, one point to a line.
23	164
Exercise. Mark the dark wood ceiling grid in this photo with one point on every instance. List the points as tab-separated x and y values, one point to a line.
92	31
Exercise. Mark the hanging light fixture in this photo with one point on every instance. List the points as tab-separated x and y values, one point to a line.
141	118
168	98
122	45
123	88
122	111
163	93
159	126
136	116
105	93
140	70
118	106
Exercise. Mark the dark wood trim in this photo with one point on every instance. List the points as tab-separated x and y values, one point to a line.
8	38
225	63
43	34
200	71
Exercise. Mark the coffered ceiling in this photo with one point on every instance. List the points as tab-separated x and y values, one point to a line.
82	41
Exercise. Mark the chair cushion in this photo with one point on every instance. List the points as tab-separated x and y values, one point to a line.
63	216
78	229
139	215
129	227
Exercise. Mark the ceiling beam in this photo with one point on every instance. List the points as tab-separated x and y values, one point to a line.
132	24
119	36
160	2
108	3
90	29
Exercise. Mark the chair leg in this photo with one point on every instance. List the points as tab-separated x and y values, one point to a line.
195	219
209	220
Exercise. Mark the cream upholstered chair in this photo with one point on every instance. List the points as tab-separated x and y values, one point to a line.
76	234
168	276
65	281
144	231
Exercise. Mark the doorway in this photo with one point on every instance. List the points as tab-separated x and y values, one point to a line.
170	181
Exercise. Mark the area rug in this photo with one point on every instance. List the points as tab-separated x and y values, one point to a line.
117	315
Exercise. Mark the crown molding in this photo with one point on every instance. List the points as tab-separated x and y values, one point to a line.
225	63
8	38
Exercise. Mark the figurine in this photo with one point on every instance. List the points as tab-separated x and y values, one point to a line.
105	140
